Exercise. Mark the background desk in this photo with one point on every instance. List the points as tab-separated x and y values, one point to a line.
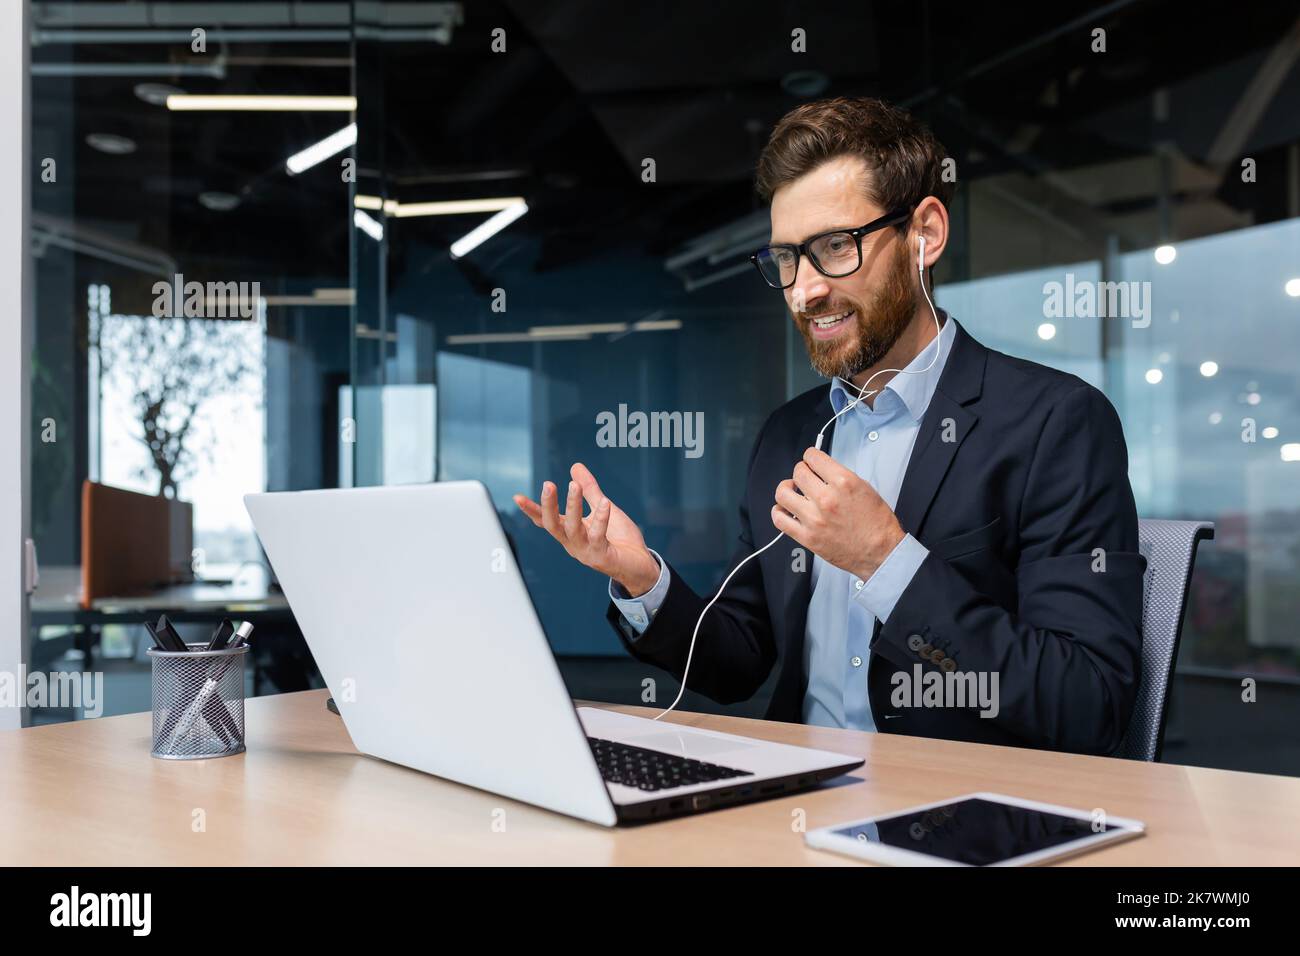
57	603
88	793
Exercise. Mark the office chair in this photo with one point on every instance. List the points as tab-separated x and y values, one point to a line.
1170	550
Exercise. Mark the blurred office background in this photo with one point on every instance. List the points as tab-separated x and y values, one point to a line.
372	355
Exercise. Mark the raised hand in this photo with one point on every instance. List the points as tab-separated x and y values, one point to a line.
606	540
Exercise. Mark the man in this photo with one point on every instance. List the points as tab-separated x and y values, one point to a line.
976	573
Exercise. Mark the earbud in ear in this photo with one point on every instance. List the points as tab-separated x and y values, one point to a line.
920	255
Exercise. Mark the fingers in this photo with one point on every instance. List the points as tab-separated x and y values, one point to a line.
551	511
824	466
599	524
807	482
788	498
590	489
531	509
573	512
565	528
784	523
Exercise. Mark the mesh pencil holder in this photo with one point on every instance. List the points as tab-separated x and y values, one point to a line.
198	702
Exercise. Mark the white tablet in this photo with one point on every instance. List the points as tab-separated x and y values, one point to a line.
978	829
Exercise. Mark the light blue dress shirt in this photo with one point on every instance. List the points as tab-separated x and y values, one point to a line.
876	442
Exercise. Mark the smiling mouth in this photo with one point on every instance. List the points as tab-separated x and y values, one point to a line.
823	323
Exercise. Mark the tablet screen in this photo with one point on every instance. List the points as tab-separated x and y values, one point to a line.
975	831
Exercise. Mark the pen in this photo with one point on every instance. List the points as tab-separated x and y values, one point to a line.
166	639
203	703
168	636
217	707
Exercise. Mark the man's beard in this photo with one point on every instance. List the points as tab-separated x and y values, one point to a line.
879	325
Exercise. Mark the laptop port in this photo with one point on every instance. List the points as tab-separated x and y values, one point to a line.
699	801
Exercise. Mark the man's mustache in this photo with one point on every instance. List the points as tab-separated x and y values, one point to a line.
809	316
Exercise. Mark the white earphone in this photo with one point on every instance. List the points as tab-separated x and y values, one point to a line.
862	393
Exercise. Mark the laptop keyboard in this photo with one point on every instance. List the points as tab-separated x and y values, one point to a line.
654	769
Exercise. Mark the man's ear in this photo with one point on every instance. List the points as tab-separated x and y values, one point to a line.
931	223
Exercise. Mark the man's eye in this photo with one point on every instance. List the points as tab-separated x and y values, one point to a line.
784	257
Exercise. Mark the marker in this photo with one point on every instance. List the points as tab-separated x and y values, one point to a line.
221	636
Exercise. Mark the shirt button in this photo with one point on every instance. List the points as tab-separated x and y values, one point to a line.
638	619
873	435
855	661
857	585
914	641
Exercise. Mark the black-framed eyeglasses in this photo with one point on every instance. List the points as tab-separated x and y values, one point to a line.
834	254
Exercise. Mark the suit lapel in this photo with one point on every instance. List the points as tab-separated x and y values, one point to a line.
944	426
798	584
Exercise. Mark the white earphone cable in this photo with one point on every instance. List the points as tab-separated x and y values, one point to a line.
862	393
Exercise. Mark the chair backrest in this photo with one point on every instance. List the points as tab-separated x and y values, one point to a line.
1170	550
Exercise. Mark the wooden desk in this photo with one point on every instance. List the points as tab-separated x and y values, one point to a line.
88	793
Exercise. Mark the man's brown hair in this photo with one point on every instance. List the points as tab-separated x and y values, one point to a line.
904	160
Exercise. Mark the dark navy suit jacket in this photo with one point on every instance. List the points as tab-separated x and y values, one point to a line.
1033	573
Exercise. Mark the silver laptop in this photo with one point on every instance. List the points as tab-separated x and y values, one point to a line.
418	618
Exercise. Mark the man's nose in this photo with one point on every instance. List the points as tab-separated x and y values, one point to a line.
809	287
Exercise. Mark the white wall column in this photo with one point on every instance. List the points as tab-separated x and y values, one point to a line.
15	342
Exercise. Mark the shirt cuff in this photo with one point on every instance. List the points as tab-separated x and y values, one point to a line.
639	611
883	589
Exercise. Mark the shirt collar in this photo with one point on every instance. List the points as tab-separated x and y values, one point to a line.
916	387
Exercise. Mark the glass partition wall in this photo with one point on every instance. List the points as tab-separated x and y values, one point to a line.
193	306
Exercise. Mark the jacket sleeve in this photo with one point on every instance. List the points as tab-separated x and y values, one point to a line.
1068	658
735	649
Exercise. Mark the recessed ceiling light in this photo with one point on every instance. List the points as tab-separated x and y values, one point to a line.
1292	287
1165	254
262	103
218	201
1047	331
1209	369
485	230
317	153
155	94
1154	376
368	225
110	143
